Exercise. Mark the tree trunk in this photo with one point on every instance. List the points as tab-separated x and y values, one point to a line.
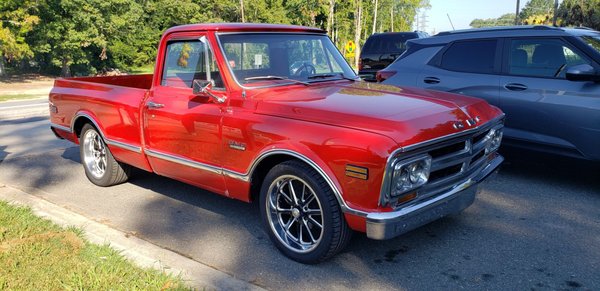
358	24
392	18
242	10
374	17
2	69
330	18
65	71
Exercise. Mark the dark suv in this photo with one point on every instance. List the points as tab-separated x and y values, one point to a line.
381	49
546	80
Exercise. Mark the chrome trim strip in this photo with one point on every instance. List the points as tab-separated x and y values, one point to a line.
112	142
184	161
63	128
124	146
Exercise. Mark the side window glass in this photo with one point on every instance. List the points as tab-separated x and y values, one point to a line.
186	61
470	56
542	58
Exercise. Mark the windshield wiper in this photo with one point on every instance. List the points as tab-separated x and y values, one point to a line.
328	75
257	78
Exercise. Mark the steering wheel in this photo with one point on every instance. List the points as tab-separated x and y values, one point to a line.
307	68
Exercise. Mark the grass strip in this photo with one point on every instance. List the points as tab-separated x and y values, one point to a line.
36	254
9	97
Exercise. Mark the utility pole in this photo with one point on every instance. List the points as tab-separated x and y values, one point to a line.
517	14
423	22
555	10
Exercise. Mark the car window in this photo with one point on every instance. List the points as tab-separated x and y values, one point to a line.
248	55
542	58
470	56
592	41
185	61
387	43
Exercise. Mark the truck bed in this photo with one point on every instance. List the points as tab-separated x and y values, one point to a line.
133	81
112	104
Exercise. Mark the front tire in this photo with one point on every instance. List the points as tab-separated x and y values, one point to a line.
301	214
100	166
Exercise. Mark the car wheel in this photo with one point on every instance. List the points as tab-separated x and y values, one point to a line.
100	166
301	214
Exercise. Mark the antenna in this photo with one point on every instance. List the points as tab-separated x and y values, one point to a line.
450	21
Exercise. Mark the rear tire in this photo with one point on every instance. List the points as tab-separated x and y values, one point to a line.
301	214
100	166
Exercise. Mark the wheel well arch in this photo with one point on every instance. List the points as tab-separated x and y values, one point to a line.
268	160
80	121
259	172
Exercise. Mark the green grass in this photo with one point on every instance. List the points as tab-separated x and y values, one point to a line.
147	69
19	97
36	254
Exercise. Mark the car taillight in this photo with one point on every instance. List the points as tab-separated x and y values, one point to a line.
360	64
384	75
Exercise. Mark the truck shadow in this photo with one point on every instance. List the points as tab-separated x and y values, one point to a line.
518	220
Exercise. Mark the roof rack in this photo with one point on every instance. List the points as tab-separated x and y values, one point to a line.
583	27
498	28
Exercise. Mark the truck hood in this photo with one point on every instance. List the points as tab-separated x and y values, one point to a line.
406	115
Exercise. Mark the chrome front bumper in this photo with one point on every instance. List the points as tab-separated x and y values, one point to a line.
386	225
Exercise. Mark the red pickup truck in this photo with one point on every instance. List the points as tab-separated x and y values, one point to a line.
274	113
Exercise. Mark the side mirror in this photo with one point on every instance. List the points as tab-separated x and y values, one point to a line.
583	72
204	87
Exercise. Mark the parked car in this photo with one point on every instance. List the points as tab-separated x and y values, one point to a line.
546	80
381	49
274	113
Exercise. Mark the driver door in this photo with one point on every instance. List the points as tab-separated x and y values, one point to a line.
182	130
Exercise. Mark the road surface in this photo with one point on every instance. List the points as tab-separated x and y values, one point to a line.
534	225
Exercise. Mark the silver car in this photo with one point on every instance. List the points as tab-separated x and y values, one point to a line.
546	80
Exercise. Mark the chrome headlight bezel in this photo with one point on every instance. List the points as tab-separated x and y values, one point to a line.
410	174
494	139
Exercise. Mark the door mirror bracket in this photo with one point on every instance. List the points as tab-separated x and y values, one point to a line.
204	87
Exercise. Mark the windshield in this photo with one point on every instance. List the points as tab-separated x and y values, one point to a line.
592	41
262	59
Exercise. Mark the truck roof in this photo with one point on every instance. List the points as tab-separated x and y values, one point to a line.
231	27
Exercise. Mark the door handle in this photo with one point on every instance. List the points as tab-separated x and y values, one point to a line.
515	87
431	80
152	105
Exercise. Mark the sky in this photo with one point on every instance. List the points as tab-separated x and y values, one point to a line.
462	12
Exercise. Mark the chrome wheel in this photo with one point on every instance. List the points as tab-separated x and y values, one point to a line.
294	213
94	154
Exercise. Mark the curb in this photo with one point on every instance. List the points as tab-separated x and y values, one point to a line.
141	252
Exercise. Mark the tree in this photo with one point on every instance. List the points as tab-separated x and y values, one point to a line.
539	8
17	19
504	20
580	13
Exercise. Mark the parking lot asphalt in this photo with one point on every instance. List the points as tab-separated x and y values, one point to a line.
534	225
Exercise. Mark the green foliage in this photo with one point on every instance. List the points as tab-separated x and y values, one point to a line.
537	7
504	20
83	37
580	13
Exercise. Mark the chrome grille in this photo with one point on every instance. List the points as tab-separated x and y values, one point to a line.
453	160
